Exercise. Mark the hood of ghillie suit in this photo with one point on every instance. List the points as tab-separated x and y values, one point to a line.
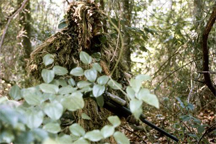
83	32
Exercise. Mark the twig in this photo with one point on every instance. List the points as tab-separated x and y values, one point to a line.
9	20
210	129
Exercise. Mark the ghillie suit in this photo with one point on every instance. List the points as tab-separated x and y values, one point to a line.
84	32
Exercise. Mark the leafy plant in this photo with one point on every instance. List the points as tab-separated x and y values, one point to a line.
45	104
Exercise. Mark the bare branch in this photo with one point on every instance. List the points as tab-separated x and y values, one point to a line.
9	20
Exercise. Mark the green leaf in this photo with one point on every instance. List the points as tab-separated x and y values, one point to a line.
49	141
102	80
39	134
62	25
85	116
32	96
130	92
85	89
94	135
91	74
48	59
49	88
97	67
97	56
114	120
58	70
78	71
107	131
98	90
71	82
59	82
100	101
85	58
3	99
114	85
47	75
142	77
81	141
82	84
73	102
34	118
15	92
52	127
136	84
151	99
6	136
135	105
65	139
54	110
121	138
67	90
77	130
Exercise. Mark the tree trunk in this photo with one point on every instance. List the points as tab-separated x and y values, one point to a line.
25	26
127	7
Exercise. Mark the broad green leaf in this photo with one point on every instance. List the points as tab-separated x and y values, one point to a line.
136	84
8	115
3	99
81	141
96	56
77	130
142	92
82	84
100	101
107	131
58	70
114	120
15	92
97	67
137	113
142	77
98	90
54	110
91	74
135	105
114	85
130	92
52	127
6	136
49	88
94	135
65	139
59	82
39	134
85	116
121	138
32	95
62	24
150	99
24	138
85	89
102	80
73	102
48	59
72	82
50	141
47	75
67	90
85	58
78	71
34	118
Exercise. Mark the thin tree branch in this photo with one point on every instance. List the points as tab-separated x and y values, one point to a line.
205	35
9	20
210	129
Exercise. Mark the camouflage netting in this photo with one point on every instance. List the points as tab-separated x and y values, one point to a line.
84	32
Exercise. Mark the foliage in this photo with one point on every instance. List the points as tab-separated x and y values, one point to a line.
38	117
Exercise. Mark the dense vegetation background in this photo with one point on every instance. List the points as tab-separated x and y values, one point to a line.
162	38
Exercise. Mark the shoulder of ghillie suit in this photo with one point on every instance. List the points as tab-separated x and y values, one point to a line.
84	28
